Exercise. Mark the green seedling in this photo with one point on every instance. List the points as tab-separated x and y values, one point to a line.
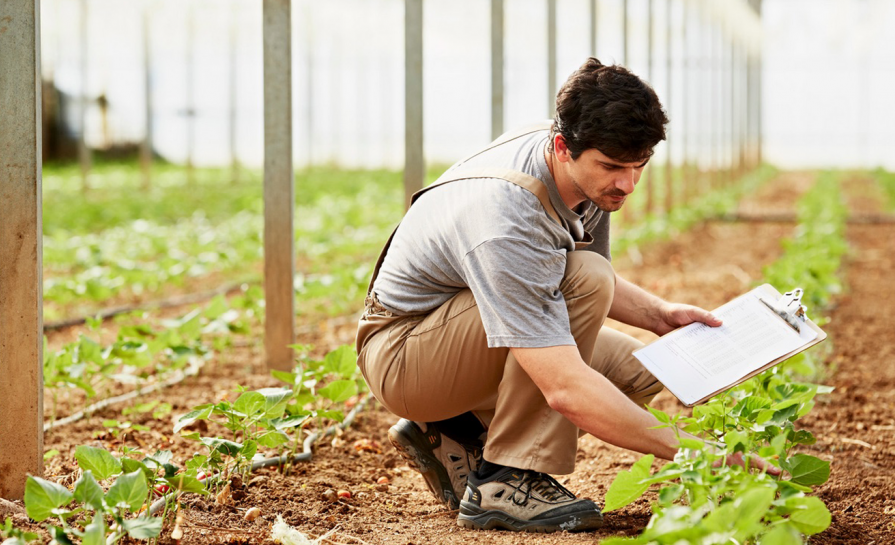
701	498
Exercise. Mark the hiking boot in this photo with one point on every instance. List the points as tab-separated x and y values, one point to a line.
444	463
525	501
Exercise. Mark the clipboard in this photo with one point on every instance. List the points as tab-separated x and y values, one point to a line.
786	308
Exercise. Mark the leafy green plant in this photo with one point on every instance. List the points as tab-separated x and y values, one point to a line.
703	499
273	418
101	517
14	536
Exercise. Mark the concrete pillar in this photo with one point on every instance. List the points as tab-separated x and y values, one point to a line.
21	298
497	87
279	186
414	160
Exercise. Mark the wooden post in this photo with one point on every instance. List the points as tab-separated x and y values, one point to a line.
593	27
414	161
146	143
551	57
85	157
190	109
279	190
624	32
21	298
648	177
497	87
232	96
669	82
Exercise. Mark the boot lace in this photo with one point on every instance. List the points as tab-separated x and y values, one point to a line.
541	483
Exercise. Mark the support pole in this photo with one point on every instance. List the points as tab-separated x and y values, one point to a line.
593	27
146	143
232	83
551	57
190	109
649	178
497	87
279	191
669	82
624	32
21	298
414	160
85	157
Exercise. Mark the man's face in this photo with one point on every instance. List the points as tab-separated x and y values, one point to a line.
602	180
596	177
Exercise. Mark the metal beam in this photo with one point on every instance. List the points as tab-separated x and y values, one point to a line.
279	190
414	160
497	87
551	57
21	298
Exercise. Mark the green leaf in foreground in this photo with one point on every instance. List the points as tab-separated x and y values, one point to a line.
129	489
811	516
627	485
88	491
99	461
95	533
41	497
807	470
143	527
783	534
185	483
339	390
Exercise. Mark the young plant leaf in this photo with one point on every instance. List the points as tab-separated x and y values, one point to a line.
782	534
250	403
129	490
143	527
88	491
807	470
811	516
95	532
41	497
342	361
339	391
628	485
185	483
201	412
99	461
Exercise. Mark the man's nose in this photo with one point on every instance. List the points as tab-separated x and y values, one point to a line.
626	181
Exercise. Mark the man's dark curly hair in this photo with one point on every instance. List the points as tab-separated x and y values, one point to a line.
610	109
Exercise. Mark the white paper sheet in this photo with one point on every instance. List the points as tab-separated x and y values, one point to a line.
698	360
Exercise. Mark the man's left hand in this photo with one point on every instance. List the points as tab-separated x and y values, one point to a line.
674	315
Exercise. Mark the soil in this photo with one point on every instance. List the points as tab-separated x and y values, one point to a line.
389	503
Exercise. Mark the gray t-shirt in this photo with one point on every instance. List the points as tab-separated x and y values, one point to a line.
495	238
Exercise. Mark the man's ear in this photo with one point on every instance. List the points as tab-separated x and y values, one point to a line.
560	150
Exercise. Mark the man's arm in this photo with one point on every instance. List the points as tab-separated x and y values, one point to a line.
596	406
634	306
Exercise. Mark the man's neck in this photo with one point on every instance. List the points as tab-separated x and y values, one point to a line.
567	191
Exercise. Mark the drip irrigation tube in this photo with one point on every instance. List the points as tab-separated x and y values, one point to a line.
176	301
191	371
307	448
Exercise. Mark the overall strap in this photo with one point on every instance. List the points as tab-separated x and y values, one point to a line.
525	181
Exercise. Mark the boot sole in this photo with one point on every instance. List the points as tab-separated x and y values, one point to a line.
411	445
476	518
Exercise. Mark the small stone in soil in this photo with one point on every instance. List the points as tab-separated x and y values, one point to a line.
330	495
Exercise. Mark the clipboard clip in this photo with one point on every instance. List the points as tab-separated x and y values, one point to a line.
790	308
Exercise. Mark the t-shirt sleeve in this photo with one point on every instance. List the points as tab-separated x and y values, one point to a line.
516	287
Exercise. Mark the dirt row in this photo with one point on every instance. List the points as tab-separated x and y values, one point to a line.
707	266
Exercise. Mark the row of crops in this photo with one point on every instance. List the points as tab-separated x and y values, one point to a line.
702	498
341	221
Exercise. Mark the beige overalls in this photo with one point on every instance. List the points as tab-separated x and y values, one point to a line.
438	365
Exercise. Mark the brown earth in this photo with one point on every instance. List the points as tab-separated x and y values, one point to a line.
708	265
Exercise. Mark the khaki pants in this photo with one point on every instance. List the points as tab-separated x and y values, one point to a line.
437	366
